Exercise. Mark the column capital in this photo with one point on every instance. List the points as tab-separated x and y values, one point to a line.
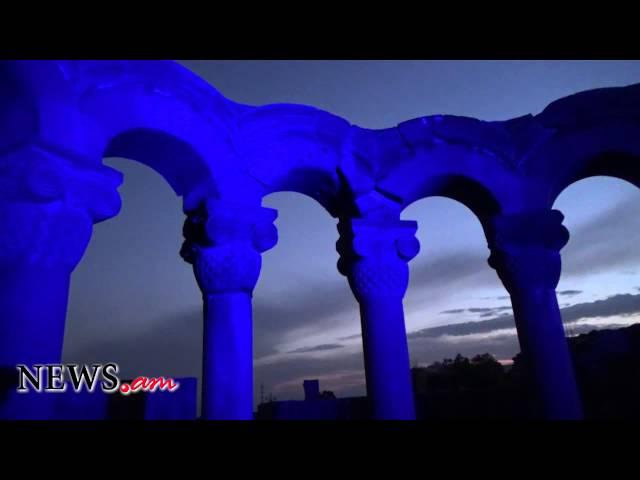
374	255
525	248
49	202
223	242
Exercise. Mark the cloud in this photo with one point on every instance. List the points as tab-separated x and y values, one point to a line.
485	312
606	243
342	373
616	305
350	337
343	370
305	311
317	348
145	352
569	293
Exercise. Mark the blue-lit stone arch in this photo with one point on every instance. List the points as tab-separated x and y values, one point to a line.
461	158
465	190
60	118
163	116
614	156
593	133
293	148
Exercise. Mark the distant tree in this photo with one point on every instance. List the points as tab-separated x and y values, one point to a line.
487	371
327	395
451	375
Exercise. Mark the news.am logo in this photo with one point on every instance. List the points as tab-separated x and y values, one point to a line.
59	378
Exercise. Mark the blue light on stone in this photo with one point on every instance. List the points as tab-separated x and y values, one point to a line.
59	119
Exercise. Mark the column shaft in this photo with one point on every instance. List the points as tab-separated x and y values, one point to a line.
525	252
386	356
546	353
33	306
374	255
223	242
227	386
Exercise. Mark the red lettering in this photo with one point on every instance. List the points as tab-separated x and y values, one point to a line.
147	384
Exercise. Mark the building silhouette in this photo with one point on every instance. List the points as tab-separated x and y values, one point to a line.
316	405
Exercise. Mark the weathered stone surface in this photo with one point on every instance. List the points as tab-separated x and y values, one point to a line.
59	118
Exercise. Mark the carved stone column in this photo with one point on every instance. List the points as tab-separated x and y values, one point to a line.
48	205
374	256
223	243
525	252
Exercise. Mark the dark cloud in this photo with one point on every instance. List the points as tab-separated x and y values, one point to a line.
181	333
569	293
306	308
623	304
438	271
501	297
428	350
606	243
485	312
317	348
350	337
434	344
342	373
145	351
465	328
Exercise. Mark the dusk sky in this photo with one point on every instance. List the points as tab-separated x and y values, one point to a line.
135	301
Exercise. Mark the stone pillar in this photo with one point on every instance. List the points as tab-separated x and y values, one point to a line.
525	252
223	243
374	256
48	205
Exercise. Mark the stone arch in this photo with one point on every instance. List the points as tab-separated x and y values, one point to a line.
460	158
612	163
478	199
609	150
610	228
469	193
465	190
593	133
297	276
601	252
167	118
462	258
182	167
158	113
293	148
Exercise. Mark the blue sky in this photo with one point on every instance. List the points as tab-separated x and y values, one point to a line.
134	301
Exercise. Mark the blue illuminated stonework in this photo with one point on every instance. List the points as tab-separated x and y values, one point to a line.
59	119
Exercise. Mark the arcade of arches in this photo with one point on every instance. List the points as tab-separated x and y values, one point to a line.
59	119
